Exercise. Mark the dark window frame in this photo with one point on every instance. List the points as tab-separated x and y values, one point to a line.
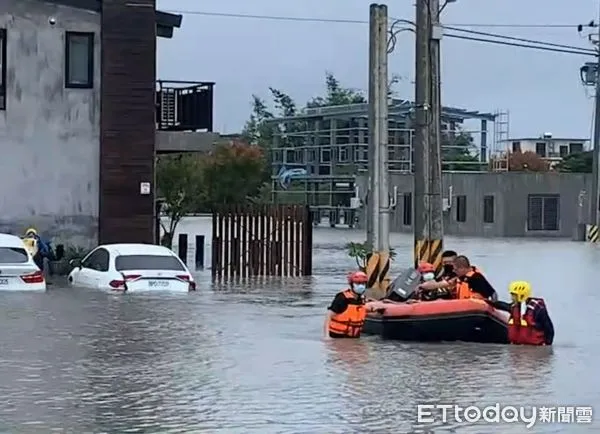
489	208
543	226
407	209
90	83
461	208
125	263
3	68
96	266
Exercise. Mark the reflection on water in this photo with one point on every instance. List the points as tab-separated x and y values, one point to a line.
245	358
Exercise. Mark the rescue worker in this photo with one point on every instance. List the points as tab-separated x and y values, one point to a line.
429	289
529	322
347	311
39	248
448	258
471	282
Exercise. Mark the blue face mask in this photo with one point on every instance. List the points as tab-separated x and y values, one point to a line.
359	288
428	276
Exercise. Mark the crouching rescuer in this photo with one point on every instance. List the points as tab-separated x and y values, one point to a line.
348	310
529	322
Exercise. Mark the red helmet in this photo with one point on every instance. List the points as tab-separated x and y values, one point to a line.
357	277
426	267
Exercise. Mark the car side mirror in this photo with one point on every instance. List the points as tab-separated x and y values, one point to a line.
75	263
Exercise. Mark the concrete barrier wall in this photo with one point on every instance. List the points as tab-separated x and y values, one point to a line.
511	198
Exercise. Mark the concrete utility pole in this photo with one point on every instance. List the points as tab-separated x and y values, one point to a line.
436	228
594	200
379	199
421	141
428	224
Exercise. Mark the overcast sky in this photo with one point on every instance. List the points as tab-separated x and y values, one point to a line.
541	90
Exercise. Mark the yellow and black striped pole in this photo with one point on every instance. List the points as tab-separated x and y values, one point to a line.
429	251
592	233
378	269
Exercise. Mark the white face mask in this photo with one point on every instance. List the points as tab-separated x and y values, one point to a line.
428	276
359	288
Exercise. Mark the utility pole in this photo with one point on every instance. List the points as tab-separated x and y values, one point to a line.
378	263
421	141
594	201
436	228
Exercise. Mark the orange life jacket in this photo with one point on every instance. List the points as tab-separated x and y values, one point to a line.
522	330
350	322
463	290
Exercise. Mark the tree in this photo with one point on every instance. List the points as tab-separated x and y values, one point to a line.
527	161
257	131
233	174
580	162
336	94
180	185
360	253
459	152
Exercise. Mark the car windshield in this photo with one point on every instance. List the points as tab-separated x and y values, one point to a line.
148	262
13	255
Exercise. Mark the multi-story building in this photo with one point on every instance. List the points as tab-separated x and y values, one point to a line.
548	147
78	117
317	155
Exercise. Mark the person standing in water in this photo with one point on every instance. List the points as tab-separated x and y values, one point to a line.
348	310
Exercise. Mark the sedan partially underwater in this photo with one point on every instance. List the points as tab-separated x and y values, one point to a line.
18	271
131	268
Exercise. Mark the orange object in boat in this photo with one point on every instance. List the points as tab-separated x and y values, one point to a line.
469	320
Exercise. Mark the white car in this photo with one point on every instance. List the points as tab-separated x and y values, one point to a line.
18	272
131	268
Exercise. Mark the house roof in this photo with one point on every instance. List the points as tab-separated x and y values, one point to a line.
165	22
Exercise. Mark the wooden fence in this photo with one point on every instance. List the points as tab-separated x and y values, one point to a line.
274	240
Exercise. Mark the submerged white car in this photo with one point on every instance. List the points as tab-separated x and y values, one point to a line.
18	272
131	268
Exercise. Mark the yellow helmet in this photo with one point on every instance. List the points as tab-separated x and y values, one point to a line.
31	231
520	290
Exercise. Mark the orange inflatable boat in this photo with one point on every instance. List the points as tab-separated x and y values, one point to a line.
468	320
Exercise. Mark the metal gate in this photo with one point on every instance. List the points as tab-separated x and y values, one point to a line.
274	240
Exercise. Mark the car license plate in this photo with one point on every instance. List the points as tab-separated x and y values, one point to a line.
158	284
4	282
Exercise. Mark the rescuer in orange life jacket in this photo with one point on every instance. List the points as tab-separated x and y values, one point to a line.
347	311
429	289
471	281
531	327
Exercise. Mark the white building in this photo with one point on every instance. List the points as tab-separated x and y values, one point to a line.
548	147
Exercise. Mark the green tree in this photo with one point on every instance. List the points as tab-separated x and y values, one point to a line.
180	185
257	131
459	152
233	174
336	94
360	253
580	162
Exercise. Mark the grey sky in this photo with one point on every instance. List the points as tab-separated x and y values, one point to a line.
541	90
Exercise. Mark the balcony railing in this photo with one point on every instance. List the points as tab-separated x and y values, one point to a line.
184	106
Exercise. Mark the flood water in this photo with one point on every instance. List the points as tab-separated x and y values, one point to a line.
252	359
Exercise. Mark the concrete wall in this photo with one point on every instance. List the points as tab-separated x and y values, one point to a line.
185	141
510	191
49	135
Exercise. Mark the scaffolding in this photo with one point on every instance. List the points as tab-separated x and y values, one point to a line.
501	153
317	155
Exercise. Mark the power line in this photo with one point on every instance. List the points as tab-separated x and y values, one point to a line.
348	21
539	45
512	38
580	52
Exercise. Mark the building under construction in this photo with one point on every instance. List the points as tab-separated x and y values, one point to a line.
317	155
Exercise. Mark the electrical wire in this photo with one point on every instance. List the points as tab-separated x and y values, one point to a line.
581	52
348	21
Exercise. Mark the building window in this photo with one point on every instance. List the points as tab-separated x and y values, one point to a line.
325	155
488	209
344	154
516	146
2	69
407	210
543	213
575	148
461	209
79	60
563	151
540	149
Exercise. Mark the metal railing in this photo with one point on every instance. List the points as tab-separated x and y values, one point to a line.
184	105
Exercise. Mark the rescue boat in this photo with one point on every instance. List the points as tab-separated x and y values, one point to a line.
468	320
